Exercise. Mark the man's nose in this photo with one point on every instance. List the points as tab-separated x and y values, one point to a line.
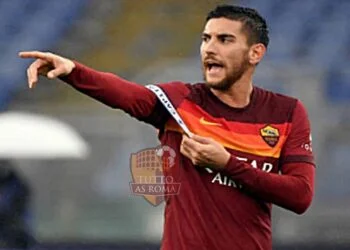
210	47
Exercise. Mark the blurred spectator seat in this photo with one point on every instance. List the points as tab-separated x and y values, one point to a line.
27	25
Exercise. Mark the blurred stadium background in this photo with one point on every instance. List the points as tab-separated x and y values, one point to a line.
86	201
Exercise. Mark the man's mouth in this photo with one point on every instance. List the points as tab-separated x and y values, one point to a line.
213	66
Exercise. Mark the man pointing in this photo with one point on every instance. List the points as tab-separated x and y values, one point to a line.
245	151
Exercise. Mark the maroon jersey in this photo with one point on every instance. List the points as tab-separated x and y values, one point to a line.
230	209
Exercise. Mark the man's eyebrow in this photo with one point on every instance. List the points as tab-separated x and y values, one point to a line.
220	35
226	35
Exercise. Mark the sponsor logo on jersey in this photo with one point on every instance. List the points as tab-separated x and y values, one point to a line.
308	146
205	122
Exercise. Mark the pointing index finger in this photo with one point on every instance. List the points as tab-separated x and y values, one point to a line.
35	54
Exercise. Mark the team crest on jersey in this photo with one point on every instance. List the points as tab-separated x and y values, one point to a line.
270	135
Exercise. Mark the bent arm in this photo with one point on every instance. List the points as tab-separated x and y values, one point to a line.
292	190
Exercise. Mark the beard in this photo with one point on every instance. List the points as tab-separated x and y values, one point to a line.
232	76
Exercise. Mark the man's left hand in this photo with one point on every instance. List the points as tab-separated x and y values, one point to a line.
204	151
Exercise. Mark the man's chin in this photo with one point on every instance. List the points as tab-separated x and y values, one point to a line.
213	82
217	85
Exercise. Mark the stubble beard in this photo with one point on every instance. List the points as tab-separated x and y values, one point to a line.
230	79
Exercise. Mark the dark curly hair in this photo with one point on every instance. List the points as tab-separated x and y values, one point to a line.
254	25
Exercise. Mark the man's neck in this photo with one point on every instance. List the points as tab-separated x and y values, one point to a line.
238	96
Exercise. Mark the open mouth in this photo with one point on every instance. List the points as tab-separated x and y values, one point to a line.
213	66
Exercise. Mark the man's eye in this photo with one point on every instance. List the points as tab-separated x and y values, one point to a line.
224	40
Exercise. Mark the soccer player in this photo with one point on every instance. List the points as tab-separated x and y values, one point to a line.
249	148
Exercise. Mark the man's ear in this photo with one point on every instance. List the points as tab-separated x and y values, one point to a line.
256	53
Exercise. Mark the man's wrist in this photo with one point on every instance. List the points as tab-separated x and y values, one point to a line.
225	161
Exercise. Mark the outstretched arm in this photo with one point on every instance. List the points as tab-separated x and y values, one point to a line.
107	88
113	91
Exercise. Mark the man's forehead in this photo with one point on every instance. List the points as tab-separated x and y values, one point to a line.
222	25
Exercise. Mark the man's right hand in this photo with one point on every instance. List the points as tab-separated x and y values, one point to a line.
46	64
